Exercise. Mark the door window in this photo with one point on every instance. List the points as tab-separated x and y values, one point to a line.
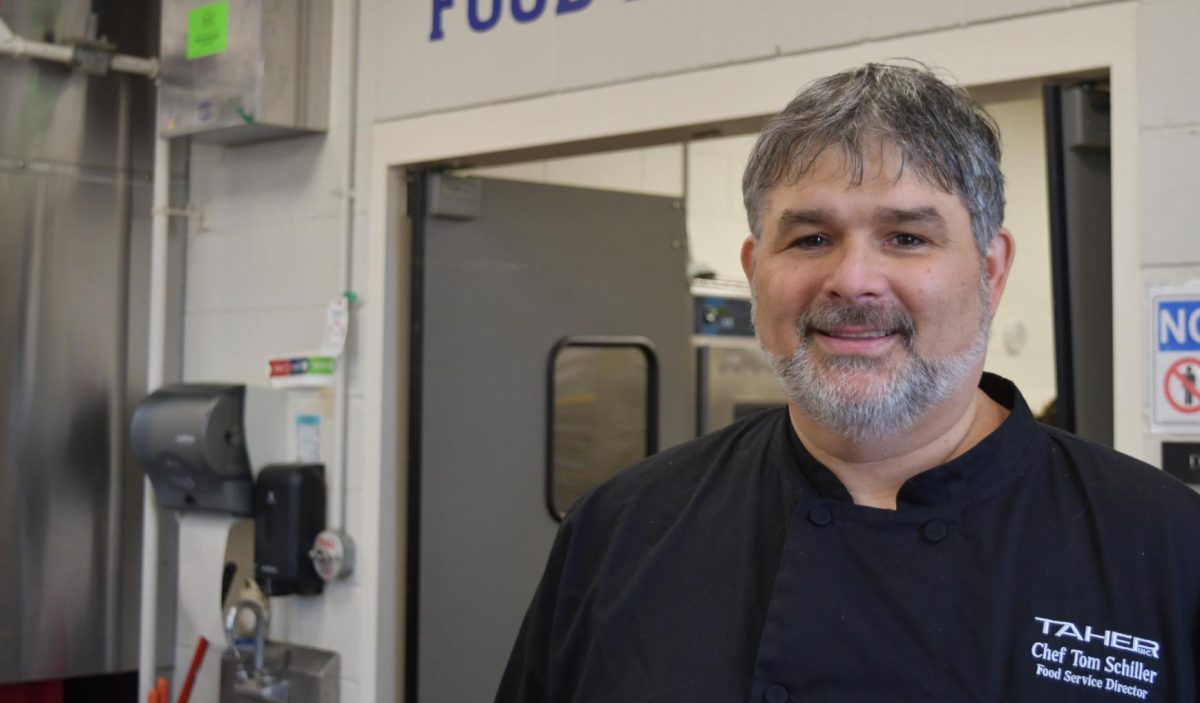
602	413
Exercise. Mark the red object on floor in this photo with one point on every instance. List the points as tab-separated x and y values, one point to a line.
37	692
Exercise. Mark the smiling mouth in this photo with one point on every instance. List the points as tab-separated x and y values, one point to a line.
857	334
856	330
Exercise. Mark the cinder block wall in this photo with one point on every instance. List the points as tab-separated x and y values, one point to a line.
1169	122
263	262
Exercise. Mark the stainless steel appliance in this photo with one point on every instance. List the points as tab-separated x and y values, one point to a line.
732	378
75	166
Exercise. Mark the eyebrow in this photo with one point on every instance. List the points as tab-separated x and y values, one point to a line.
814	216
893	216
901	216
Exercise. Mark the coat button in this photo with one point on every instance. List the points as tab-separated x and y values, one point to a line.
934	531
777	694
820	516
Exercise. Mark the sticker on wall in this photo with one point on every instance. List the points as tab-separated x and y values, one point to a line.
337	325
208	30
1175	386
308	438
303	371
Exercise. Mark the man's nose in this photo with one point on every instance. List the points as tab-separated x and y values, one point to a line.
857	272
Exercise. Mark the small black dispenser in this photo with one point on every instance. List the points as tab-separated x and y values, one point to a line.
289	513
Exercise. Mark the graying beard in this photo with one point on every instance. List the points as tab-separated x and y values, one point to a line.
912	391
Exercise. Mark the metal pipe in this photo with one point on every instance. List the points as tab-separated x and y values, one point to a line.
19	47
342	392
136	65
22	48
155	362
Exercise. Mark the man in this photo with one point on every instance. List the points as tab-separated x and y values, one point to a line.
905	530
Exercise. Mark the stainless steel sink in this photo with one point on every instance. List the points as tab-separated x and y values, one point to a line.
290	674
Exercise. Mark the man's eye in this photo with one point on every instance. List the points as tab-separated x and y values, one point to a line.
811	241
907	241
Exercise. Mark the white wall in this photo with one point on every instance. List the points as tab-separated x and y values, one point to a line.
716	218
616	41
1022	345
263	262
652	170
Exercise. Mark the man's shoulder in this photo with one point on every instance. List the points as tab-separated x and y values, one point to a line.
1122	482
665	508
663	482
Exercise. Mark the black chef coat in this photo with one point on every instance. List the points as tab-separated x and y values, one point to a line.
1035	567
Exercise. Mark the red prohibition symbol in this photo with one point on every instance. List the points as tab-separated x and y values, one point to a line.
1190	382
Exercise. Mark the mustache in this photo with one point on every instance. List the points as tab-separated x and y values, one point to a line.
822	317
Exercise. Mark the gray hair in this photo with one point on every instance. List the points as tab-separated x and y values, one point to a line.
949	140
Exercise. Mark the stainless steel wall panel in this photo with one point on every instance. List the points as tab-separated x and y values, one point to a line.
75	158
64	486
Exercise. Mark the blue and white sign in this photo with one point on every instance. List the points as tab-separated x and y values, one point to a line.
1175	386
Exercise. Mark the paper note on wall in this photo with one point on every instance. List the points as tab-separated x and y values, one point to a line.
208	30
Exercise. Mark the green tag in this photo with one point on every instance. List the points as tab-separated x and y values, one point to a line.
208	29
321	364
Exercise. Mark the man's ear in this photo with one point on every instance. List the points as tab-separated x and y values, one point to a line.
748	258
999	260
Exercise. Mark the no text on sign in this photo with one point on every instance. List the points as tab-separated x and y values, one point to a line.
1176	385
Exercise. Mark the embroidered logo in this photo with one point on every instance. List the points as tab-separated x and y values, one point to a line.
1111	639
1072	654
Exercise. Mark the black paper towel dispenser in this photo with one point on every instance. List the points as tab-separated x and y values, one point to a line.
190	439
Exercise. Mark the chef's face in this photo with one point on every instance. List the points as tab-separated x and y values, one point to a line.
871	300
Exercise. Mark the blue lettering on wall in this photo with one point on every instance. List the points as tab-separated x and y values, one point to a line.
518	7
520	14
565	6
438	7
1178	325
473	16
